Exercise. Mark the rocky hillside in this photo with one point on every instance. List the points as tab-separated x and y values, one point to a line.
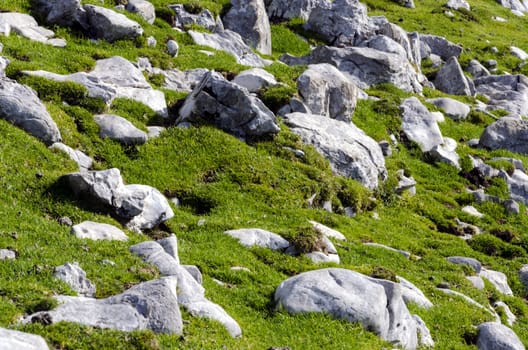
263	174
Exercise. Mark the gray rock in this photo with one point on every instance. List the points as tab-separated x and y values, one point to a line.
95	231
462	260
516	6
229	107
255	79
451	79
154	131
471	210
377	304
63	12
477	70
445	153
184	19
326	91
151	41
405	183
143	8
321	257
7	254
519	53
105	186
103	23
20	105
412	294
173	48
258	237
26	26
437	45
351	153
83	161
386	148
476	281
458	4
508	92
506	133
419	125
470	301
194	272
495	336
74	276
119	129
364	66
385	44
183	81
16	340
498	279
505	310
327	231
454	109
523	276
149	305
511	206
231	43
153	253
249	19
4	62
288	9
405	3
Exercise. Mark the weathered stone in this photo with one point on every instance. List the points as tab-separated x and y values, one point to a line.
505	310
519	53
95	231
419	125
476	281
412	294
385	44
173	48
351	153
495	336
16	340
21	106
154	131
458	4
462	260
83	161
229	107
437	45
249	19
26	26
508	92
516	6
184	19
383	246
498	279
288	9
470	301
255	79
511	206
451	79
61	12
321	257
119	129
7	254
405	183
74	276
506	133
471	210
143	8
456	110
109	25
258	237
327	231
476	69
326	91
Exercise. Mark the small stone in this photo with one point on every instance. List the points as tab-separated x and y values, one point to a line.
66	221
173	48
472	211
7	254
385	148
151	41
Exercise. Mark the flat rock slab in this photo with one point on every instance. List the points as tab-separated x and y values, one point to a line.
26	26
119	129
462	260
96	231
257	237
255	79
495	336
16	340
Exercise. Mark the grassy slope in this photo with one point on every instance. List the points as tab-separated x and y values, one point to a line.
230	184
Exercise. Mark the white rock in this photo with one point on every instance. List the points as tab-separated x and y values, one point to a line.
95	231
327	231
498	279
16	340
258	237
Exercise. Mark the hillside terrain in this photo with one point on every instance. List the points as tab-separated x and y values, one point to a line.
383	142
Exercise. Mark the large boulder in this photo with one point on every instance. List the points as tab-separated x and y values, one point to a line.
495	336
119	129
60	12
506	133
250	237
351	153
326	91
364	66
410	42
107	24
476	69
508	92
143	8
385	44
288	9
249	19
420	125
454	109
451	79
376	304
20	105
12	340
517	6
228	106
439	46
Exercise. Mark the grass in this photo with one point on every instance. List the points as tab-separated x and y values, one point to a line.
223	183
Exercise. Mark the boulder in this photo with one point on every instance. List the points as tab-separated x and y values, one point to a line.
75	277
517	185
60	12
288	9
405	183
258	237
458	4
20	105
437	45
83	161
96	231
506	133
454	109
351	153
322	258
327	231
149	305
16	340
229	107
143	8
183	19
249	19
410	42
508	92
477	282
105	186
451	79
172	48
364	66
495	336
385	44
516	6
255	79
462	260
445	153
326	91
419	125
119	129
377	304
26	26
107	24
182	81
498	279
476	69
412	294
231	43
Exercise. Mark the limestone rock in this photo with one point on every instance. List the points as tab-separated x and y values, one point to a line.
143	8
74	276
516	6
498	279
184	81
477	70
495	336
119	129
7	254
95	231
451	79
419	125
506	133
63	12
26	26
288	9
321	257
412	294
327	231
462	260
523	276
445	152
505	310
458	4
255	79
351	153
456	110
16	340
508	92
385	44
229	107
437	45
83	161
173	48
258	237
109	25
476	281
183	19
383	246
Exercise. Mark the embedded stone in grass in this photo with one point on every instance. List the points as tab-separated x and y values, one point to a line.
6	254
173	48
184	19
96	231
12	339
83	161
327	231
419	125
454	109
119	129
108	24
75	277
143	8
505	310
507	92
495	336
498	279
399	251
462	260
249	237
255	79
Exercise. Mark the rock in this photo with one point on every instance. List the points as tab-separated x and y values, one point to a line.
153	253
172	48
143	8
16	340
229	107
75	277
151	41
63	12
288	9
519	53
66	221
437	45
405	183
508	92
506	133
451	79
7	254
341	22
184	20
498	279
258	237
154	131
103	23
505	310
83	161
326	91
231	43
327	231
149	305
20	105
462	260
4	62
452	108
515	6
95	231
351	153
476	69
105	186
26	26
119	129
249	19
458	4
255	79
377	304
495	336
378	245
194	272
471	210
321	257
412	294
386	148
523	276
419	125
385	44
476	281
511	206
470	301
364	66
